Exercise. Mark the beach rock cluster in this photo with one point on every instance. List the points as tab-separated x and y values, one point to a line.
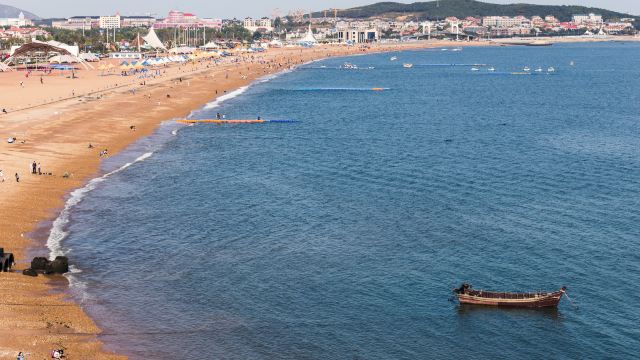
43	265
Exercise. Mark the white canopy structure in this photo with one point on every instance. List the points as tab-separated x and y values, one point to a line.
64	59
73	49
210	45
4	67
182	50
152	40
309	38
89	57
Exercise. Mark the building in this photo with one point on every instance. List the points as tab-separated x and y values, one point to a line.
179	19
77	23
503	21
110	22
137	21
357	34
587	20
262	25
23	33
21	20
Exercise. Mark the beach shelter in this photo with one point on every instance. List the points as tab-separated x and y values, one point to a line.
4	67
89	57
152	40
64	59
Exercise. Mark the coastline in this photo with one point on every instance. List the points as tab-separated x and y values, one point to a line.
62	142
36	317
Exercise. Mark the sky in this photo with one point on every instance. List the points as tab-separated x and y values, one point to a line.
243	8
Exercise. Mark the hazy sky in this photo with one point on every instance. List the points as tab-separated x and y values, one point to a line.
242	8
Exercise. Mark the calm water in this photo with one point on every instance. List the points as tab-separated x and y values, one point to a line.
341	237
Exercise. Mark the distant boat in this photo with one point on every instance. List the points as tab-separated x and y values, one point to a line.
371	67
456	49
572	63
551	69
539	69
475	69
349	66
393	58
408	66
526	68
491	69
467	295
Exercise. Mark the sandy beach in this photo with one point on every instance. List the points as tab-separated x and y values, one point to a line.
54	118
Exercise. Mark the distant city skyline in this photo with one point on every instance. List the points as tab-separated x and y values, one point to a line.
254	8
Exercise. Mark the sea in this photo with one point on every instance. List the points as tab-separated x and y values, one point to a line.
341	234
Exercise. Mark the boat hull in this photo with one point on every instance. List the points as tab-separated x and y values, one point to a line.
550	300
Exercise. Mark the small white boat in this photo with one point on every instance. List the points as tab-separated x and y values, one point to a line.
371	67
538	70
456	49
491	69
393	58
407	66
526	68
551	69
475	69
572	63
349	66
323	66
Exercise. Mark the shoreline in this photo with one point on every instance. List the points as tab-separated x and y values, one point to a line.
71	326
37	201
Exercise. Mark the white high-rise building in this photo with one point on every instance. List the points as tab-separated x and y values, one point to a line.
110	22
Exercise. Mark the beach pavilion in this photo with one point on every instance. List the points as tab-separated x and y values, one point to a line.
40	52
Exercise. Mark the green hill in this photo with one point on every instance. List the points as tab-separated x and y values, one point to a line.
464	8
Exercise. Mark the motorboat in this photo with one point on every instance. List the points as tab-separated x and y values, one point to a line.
538	70
475	69
526	68
394	58
551	69
491	69
407	66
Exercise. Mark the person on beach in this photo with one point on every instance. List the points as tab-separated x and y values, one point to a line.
34	167
17	177
1	176
20	356
39	170
4	111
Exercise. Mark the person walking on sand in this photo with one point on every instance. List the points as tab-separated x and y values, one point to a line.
39	170
17	177
34	167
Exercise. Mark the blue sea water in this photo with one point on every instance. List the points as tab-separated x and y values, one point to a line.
341	236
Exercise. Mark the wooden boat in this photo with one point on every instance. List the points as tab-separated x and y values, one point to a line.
467	295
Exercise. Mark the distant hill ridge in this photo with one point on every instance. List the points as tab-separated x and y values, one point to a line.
464	8
7	11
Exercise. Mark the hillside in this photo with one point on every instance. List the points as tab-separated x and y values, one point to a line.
7	11
464	8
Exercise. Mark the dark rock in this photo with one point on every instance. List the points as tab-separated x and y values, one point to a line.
30	272
59	266
40	263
